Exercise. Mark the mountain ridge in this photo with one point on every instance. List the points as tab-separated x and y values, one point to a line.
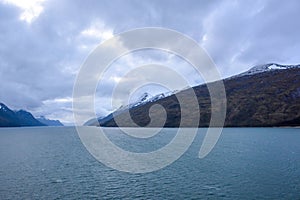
10	118
49	122
265	95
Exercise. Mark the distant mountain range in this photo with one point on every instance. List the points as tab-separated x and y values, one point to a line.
266	95
10	118
49	122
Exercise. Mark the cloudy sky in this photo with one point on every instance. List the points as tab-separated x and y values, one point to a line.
44	42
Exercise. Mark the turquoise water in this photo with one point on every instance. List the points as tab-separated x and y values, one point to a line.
246	163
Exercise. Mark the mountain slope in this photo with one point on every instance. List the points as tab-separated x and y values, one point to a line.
49	122
266	68
9	118
268	97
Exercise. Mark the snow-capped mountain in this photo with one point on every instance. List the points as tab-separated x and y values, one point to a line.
146	98
265	68
265	95
10	118
142	100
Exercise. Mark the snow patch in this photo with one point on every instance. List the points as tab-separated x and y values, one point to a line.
2	107
265	68
276	67
145	98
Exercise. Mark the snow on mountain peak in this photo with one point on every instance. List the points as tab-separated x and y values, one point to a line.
264	68
274	66
146	96
2	107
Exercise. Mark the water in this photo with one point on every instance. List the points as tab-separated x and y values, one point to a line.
246	163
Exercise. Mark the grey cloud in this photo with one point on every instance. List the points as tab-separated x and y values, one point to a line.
39	61
242	34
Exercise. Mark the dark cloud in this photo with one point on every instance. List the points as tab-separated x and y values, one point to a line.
39	57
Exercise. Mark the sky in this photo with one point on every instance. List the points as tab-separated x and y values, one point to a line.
45	42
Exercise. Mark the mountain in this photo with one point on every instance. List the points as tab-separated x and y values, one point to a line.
92	122
266	68
265	95
49	122
27	119
9	118
143	99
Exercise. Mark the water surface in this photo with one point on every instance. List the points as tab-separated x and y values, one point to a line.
246	163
